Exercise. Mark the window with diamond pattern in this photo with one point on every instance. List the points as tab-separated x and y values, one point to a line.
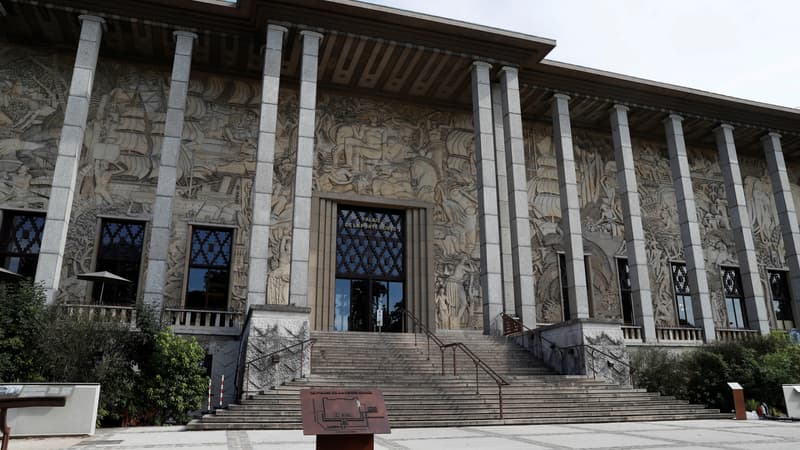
369	244
20	238
624	272
209	268
683	297
781	298
734	299
119	252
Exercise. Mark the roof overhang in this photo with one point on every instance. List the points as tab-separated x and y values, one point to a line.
378	51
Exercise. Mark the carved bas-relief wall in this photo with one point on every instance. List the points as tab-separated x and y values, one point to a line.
33	92
402	152
602	222
364	146
601	217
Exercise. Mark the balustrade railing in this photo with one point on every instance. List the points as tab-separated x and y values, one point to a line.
479	364
632	333
103	313
198	321
679	334
735	334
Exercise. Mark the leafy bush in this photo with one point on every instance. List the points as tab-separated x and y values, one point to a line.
147	375
760	365
659	370
174	381
22	314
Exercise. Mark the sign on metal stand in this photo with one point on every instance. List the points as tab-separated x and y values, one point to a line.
344	419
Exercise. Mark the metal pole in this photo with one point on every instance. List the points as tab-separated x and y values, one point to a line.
302	358
429	347
442	351
500	394
477	391
454	361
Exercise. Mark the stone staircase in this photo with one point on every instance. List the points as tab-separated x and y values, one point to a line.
417	395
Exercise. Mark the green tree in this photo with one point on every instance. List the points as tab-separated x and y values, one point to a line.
174	380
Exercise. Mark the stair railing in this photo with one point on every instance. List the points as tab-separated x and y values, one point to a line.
518	325
477	361
538	339
307	344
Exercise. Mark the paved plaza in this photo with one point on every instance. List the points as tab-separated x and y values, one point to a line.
687	435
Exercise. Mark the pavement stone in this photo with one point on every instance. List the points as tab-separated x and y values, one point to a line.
673	435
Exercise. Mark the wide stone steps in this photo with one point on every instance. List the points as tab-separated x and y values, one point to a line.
418	395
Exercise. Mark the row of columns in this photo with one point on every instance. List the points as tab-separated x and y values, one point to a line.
497	268
69	151
506	271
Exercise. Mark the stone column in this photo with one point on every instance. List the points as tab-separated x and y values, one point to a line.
59	205
167	172
301	221
491	266
570	209
787	215
502	201
742	231
690	230
634	232
261	201
522	261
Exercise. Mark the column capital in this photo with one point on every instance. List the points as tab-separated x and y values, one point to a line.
673	117
312	34
724	126
619	107
92	18
276	27
770	136
186	34
509	69
482	64
560	96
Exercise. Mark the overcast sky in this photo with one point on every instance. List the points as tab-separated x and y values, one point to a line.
743	48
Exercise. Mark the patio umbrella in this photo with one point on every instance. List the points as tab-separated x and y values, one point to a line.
7	275
102	277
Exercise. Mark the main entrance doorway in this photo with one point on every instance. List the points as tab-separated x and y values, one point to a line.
370	269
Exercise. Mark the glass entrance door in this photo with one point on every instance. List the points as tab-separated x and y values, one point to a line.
370	270
368	305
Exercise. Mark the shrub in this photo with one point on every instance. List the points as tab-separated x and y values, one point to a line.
659	370
760	365
147	375
174	380
22	314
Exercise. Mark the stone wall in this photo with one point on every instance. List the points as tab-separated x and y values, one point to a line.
364	146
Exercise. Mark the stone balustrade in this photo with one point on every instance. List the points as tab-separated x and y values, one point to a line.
632	333
735	335
103	313
196	321
679	334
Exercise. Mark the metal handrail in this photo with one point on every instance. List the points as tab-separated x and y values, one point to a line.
288	348
524	327
631	369
479	363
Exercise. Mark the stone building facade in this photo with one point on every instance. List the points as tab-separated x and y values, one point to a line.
206	152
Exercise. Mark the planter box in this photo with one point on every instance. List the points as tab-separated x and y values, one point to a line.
77	417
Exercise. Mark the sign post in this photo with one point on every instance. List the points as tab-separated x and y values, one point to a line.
344	419
738	401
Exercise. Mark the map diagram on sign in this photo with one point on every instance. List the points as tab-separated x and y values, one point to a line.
343	412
